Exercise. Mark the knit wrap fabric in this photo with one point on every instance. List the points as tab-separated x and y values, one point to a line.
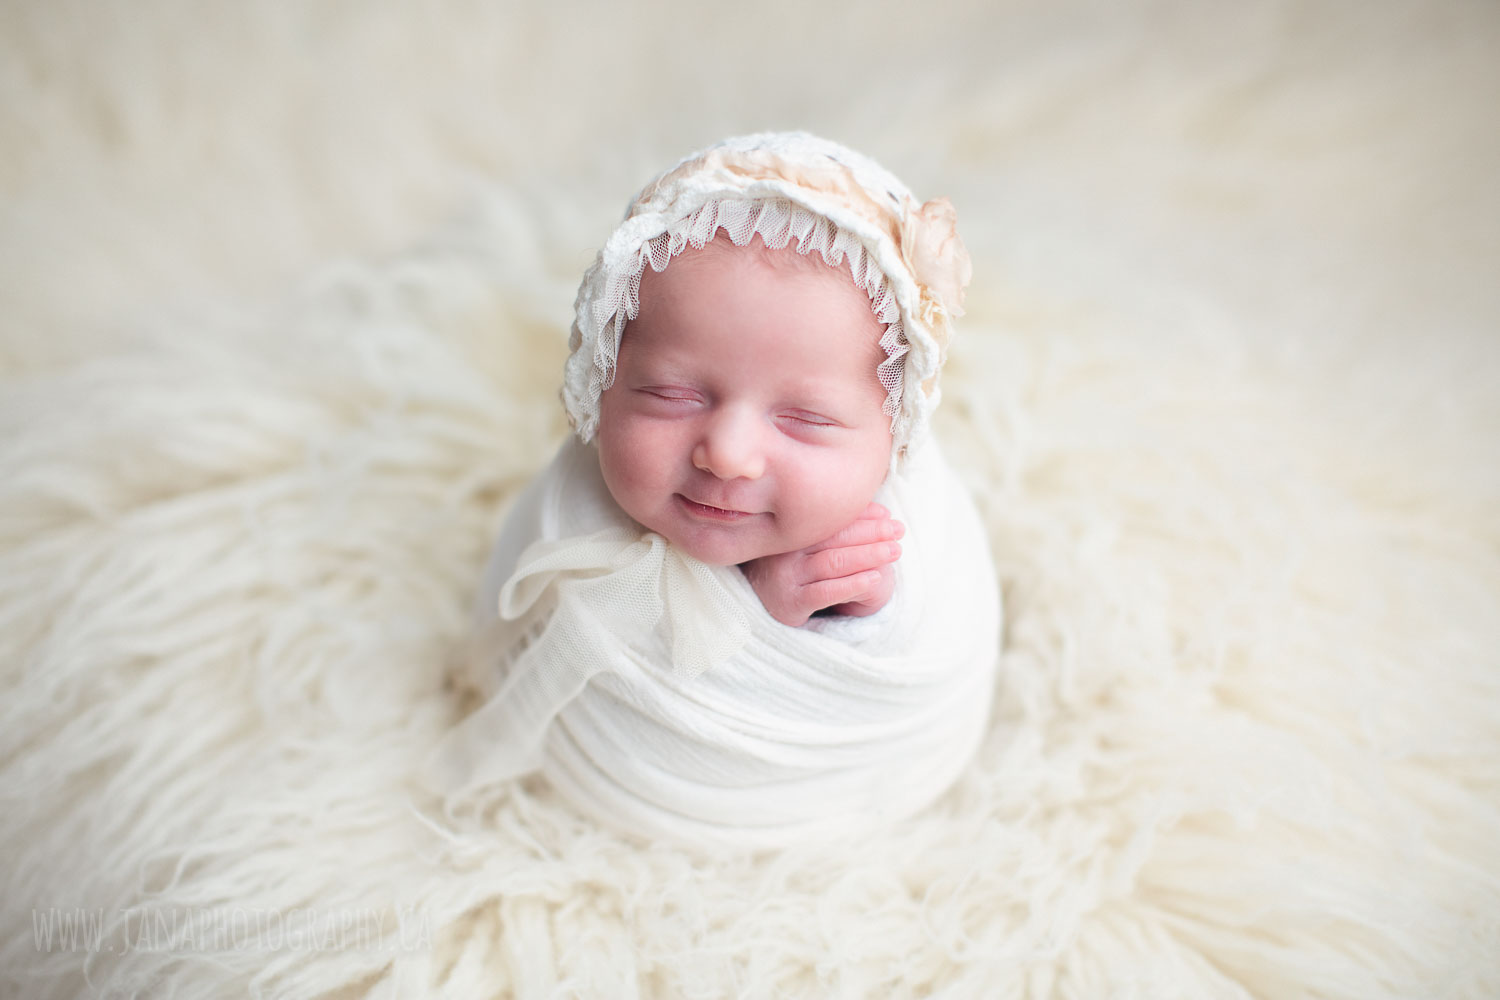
658	696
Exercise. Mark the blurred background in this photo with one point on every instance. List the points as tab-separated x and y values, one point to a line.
1322	173
1227	392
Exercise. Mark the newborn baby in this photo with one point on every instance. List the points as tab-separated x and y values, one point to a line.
699	622
745	425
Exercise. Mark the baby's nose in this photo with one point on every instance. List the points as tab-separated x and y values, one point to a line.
730	448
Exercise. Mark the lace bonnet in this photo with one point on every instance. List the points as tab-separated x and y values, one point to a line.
786	186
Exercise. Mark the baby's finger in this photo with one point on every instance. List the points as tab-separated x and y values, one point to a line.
827	593
831	564
863	532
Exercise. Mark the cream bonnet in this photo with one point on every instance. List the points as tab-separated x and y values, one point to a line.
786	186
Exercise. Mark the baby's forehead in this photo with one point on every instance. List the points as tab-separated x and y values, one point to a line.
694	281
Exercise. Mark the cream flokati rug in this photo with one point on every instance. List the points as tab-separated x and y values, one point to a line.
284	292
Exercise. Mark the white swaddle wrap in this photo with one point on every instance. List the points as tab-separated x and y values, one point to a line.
656	693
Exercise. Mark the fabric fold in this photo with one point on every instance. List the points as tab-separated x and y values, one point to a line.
584	593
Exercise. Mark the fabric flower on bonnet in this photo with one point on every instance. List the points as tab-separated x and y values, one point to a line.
940	262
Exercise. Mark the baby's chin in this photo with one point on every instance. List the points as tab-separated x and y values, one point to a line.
717	550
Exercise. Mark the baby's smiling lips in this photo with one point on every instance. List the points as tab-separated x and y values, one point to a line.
708	512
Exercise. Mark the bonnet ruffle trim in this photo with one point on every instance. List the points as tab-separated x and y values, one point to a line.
779	223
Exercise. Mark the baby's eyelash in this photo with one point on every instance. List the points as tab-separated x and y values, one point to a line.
670	394
812	419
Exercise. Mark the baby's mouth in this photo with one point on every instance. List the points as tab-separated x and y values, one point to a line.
708	512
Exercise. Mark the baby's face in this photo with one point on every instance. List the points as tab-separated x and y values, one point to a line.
745	415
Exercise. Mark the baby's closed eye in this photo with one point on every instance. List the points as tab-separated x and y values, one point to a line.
808	418
671	394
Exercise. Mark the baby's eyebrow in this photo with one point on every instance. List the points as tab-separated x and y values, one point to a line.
654	360
839	402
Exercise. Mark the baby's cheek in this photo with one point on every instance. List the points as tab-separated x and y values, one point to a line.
620	473
856	484
634	466
829	507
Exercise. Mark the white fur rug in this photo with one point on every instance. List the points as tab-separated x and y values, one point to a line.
284	292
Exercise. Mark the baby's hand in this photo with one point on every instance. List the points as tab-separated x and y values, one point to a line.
850	572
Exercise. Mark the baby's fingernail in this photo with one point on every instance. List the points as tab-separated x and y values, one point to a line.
875	510
892	550
898	530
